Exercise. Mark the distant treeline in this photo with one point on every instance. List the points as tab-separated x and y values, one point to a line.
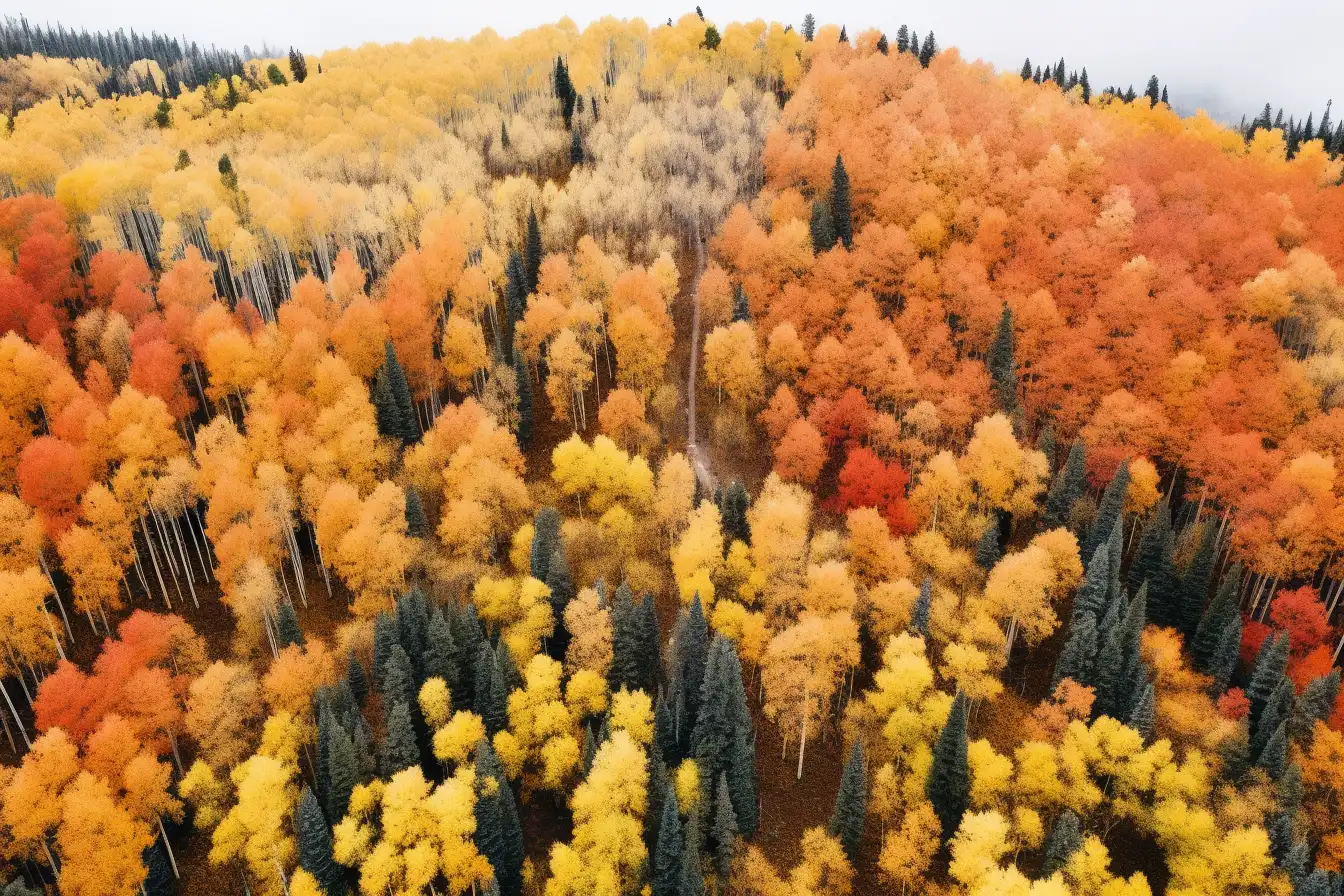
183	63
1295	131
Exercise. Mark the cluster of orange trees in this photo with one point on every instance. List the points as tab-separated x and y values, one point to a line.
1018	484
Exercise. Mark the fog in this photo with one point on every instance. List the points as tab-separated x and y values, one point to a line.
1229	57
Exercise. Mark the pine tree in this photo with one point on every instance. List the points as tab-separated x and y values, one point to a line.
691	881
1144	717
851	804
504	142
949	783
667	853
413	627
1215	619
919	614
1026	70
491	697
163	114
987	551
1165	100
691	653
1077	659
398	678
741	307
902	39
928	50
724	830
343	772
1235	754
1153	91
1153	565
468	637
1086	85
1093	595
626	669
405	419
1278	711
1317	883
508	670
842	212
385	637
441	653
1045	443
1271	663
524	403
545	539
298	66
1314	704
314	843
1059	74
399	750
287	626
822	228
532	251
723	733
562	592
882	46
1226	656
1066	838
1108	512
417	524
844	35
664	731
385	407
576	147
1194	585
1110	679
499	835
1274	757
1002	363
809	27
515	297
1067	486
733	511
359	682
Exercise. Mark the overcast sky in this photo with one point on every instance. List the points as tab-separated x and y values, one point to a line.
1227	56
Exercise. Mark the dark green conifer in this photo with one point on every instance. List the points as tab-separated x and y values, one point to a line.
664	731
1086	85
1144	717
408	421
667	853
1152	565
491	693
1045	443
1278	710
691	881
545	539
504	142
359	682
626	668
413	628
441	652
398	683
722	742
532	251
524	402
1026	70
914	43
919	614
399	749
842	211
949	783
1093	594
1235	753
1067	486
1274	757
515	297
508	669
902	39
1194	584
741	307
1077	659
882	46
314	843
1226	655
844	35
562	592
1066	838
163	114
417	524
1153	91
1002	363
343	772
733	510
809	27
385	637
851	804
1271	664
499	835
711	39
822	227
1217	615
298	65
287	626
928	50
692	650
724	830
987	551
576	147
468	638
1314	704
1108	511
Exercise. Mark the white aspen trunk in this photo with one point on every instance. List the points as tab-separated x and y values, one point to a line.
46	614
172	859
200	557
802	747
51	859
18	720
154	558
42	561
186	565
9	735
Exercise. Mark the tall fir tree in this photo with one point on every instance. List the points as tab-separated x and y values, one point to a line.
724	830
928	50
287	626
822	228
1108	511
1194	584
313	838
1220	611
1066	838
417	524
626	668
1026	70
1271	664
948	786
491	697
385	637
1086	86
398	678
1077	660
1315	704
851	804
1153	91
691	651
499	834
667	853
524	402
842	210
545	540
1227	653
692	879
1045	443
406	422
532	252
902	39
1152	565
987	550
919	614
809	27
1143	719
343	772
1002	363
1093	595
515	298
441	658
741	307
733	511
468	636
399	750
882	46
723	741
355	675
562	592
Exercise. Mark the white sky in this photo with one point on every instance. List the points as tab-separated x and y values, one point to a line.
1228	56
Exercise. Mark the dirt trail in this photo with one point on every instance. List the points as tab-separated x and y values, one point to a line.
699	459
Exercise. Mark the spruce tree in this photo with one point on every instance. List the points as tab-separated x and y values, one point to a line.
1165	100
949	783
1093	595
298	66
882	46
919	614
626	668
398	682
733	511
524	403
1153	566
844	35
842	212
987	551
385	411
406	420
314	846
1066	838
499	835
1086	85
399	750
1077	659
1235	754
1226	655
928	50
417	524
504	142
562	592
1045	443
508	669
691	653
385	637
809	27
691	882
1002	363
1108	511
902	39
1026	70
1271	663
1314	704
1194	584
741	307
722	742
1153	91
491	694
343	772
362	742
1278	710
664	731
440	659
822	228
1217	615
1274	757
650	642
1110	680
532	252
359	682
468	638
515	297
667	852
287	626
724	830
851	804
1317	883
1144	717
576	147
545	539
412	628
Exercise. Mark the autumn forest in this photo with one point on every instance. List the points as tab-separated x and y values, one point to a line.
679	460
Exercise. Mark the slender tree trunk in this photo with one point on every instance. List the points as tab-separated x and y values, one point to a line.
172	859
802	747
18	720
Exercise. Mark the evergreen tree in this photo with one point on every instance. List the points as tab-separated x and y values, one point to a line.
724	830
385	407
1226	655
1086	85
1235	753
359	682
576	147
408	424
664	731
1165	100
987	551
545	540
508	670
417	524
650	642
1108	512
159	879
1153	91
287	626
851	804
1278	710
1194	585
809	27
385	637
343	772
163	114
949	783
412	628
902	39
919	614
1066	838
314	842
882	46
844	35
667	853
928	50
1059	74
1153	566
1274	757
1317	883
440	659
504	142
1215	619
1314	704
1026	70
1077	659
298	66
733	511
741	307
723	733
1271	664
499	835
1067	486
399	749
1110	679
1045	443
1093	595
515	297
691	653
491	697
532	251
398	678
468	638
562	592
1002	363
842	213
822	228
524	403
1144	717
691	882
626	669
